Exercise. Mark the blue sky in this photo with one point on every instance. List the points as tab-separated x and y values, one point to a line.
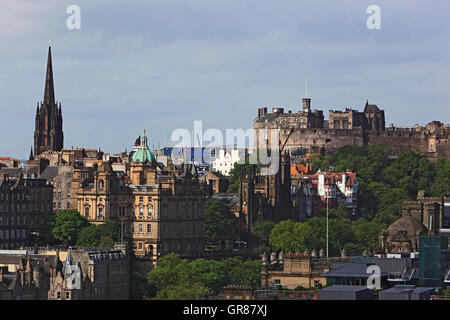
161	64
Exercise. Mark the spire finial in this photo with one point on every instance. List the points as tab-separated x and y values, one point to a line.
49	43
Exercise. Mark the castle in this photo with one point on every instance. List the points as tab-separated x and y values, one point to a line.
307	130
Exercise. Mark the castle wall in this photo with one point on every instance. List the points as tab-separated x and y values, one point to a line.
401	140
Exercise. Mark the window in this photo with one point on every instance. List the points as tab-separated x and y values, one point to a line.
149	228
67	295
86	212
140	245
141	199
140	228
101	184
58	295
141	212
150	210
100	211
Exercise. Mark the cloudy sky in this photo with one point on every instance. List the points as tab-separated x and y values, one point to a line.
162	64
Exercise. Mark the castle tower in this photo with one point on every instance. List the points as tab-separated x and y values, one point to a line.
48	133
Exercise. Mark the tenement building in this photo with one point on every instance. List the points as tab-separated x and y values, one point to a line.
350	127
25	203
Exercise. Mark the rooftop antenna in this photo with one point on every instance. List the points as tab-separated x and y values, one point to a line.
306	85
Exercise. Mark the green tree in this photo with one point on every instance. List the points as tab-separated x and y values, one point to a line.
261	230
46	231
176	278
89	237
111	230
220	222
291	236
106	242
68	224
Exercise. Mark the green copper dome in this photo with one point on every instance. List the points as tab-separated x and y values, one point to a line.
143	154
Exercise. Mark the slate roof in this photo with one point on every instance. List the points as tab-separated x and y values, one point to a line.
406	288
49	173
345	288
350	270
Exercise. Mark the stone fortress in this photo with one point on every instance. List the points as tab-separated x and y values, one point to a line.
307	130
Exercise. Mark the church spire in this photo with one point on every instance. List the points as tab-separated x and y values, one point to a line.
31	154
49	92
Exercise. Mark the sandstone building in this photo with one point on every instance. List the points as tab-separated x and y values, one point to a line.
160	207
425	216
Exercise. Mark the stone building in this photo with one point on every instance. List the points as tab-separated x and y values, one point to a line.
293	270
64	274
48	133
161	208
425	216
60	178
24	205
167	206
313	190
265	197
89	275
313	134
214	183
25	276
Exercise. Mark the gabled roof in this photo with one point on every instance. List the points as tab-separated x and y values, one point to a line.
371	108
49	173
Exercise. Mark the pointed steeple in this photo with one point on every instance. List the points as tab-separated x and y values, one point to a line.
31	154
49	91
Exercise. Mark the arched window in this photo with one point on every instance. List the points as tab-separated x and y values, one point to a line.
101	184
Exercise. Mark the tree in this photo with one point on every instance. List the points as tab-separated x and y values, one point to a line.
176	278
220	222
89	237
68	224
291	236
111	230
261	230
46	231
106	242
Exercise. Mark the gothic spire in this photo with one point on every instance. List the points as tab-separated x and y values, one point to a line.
31	154
49	92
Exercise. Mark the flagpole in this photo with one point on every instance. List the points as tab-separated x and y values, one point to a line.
326	199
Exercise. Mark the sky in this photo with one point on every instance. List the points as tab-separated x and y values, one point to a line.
162	64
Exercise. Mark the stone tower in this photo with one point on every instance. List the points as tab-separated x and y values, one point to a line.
48	133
